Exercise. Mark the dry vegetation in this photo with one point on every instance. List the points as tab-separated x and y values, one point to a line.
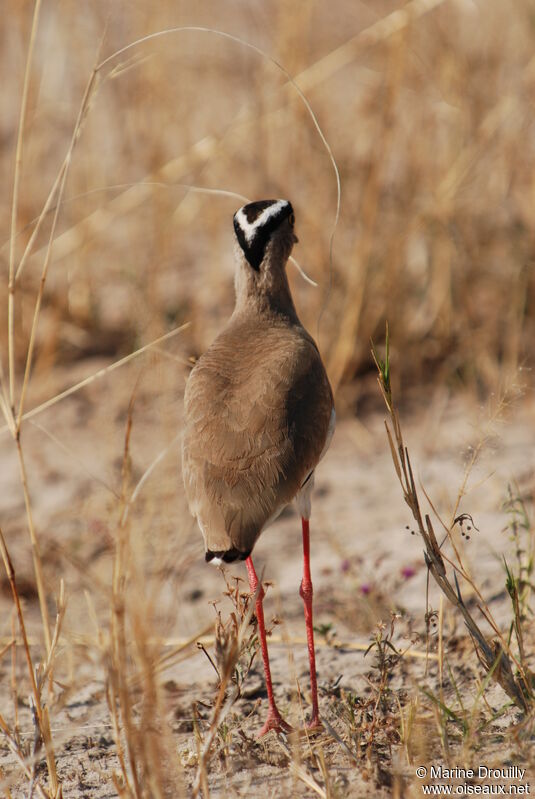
121	173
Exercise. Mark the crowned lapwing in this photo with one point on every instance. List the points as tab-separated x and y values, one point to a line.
259	416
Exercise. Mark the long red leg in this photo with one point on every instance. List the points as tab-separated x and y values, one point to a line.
274	720
306	592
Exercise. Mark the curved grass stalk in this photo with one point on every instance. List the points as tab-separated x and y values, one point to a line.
96	376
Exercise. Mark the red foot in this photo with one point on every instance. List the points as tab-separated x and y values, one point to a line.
275	722
314	725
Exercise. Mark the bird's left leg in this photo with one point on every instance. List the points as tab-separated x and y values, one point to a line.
306	592
274	720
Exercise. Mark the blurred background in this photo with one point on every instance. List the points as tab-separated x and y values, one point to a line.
430	123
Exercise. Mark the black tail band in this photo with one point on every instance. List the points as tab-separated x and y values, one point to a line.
228	556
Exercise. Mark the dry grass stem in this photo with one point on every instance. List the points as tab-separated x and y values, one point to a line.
223	703
99	374
61	187
41	714
15	205
495	656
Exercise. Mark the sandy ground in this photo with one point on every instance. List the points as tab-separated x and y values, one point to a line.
365	564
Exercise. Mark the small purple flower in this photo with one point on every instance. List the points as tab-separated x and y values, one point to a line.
407	572
345	565
365	588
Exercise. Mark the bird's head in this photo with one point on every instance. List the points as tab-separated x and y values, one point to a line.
265	230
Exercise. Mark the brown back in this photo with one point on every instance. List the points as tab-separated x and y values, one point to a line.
257	410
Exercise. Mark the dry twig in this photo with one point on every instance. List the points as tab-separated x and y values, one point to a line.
495	656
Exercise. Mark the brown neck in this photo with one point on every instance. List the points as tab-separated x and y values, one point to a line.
265	291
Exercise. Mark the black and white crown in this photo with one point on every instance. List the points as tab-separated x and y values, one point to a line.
254	223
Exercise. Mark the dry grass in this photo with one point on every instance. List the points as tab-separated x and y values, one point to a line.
431	128
122	166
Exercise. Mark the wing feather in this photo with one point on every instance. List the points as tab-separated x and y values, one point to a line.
255	426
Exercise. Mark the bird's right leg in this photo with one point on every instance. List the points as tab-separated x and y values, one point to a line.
274	720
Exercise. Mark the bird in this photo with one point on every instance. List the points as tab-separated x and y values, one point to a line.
258	417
